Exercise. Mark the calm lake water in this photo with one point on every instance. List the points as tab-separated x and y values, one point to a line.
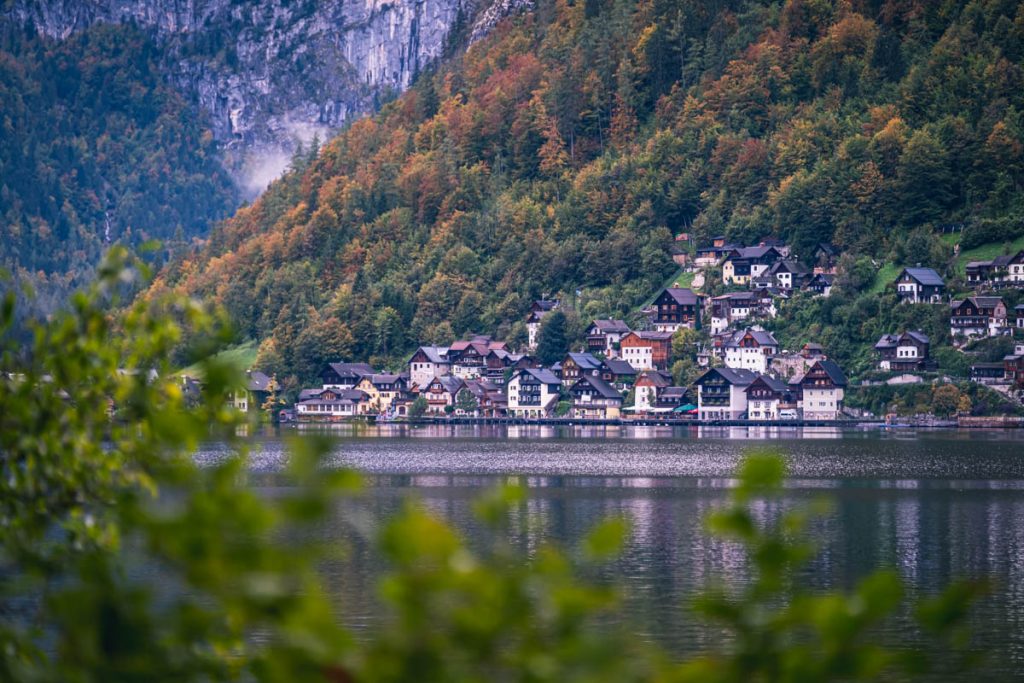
934	506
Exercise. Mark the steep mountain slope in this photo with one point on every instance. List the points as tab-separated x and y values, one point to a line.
127	120
561	154
271	73
97	148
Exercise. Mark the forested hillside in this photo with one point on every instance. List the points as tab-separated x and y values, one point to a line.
564	151
96	149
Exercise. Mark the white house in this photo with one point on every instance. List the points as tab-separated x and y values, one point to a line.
593	398
328	405
920	285
532	392
721	394
427	363
822	389
646	389
764	396
750	349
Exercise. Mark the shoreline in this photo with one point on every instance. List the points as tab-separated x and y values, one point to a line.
987	423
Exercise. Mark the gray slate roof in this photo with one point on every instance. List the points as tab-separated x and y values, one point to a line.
619	367
611	326
773	383
762	337
603	388
585	361
436	354
925	276
683	295
738	376
543	376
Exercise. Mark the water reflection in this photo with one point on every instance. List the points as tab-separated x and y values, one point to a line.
939	506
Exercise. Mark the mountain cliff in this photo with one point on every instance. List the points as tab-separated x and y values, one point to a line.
126	120
269	74
564	151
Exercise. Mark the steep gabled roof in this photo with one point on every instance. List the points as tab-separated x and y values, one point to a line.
752	252
789	266
834	372
925	276
352	369
762	337
619	367
451	384
585	361
772	383
435	354
611	326
887	341
543	376
735	376
257	381
682	295
657	378
978	301
603	388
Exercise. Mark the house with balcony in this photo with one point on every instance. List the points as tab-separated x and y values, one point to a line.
532	393
822	389
381	391
344	375
920	286
977	316
427	363
603	337
742	265
329	405
441	392
765	397
647	350
729	309
676	307
575	365
1001	271
785	275
618	373
721	394
1013	366
750	349
906	352
593	398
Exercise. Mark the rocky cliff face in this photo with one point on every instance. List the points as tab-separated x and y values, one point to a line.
271	73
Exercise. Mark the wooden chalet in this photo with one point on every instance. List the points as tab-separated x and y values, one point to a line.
676	307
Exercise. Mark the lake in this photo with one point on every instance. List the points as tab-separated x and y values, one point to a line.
933	505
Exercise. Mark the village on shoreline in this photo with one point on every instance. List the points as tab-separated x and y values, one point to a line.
741	375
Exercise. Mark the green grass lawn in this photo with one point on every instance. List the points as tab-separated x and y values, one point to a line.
885	275
987	252
241	356
682	277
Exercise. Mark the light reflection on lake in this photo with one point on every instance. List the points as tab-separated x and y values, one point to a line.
932	505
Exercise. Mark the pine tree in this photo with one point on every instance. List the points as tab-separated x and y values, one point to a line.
551	342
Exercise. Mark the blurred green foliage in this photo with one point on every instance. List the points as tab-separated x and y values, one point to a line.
98	481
